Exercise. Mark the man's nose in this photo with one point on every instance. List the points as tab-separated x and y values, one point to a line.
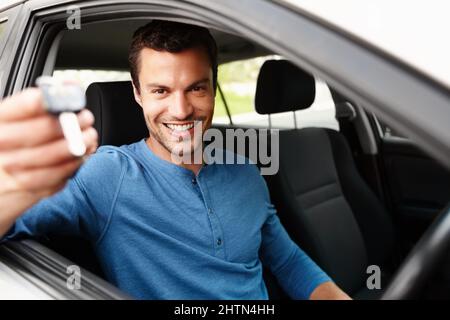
181	107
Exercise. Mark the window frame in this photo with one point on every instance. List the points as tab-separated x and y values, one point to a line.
10	17
40	19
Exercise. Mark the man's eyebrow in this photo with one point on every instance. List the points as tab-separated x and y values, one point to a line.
156	85
161	86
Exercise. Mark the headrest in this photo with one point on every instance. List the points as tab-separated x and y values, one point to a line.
283	87
344	107
118	118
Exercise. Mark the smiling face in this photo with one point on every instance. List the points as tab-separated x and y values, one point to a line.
175	92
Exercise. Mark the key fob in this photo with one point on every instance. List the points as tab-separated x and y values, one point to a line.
64	100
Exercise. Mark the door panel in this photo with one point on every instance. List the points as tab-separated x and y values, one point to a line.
419	187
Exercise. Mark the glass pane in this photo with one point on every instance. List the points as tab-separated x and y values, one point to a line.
3	22
86	77
238	82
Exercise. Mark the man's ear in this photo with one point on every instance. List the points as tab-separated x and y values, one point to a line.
137	95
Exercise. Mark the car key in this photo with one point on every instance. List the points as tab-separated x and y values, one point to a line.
64	99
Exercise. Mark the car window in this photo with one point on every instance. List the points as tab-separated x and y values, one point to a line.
85	76
388	132
3	23
238	83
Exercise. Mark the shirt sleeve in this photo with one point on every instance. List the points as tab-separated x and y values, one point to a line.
82	208
295	271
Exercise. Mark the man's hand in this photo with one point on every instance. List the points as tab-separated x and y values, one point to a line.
328	291
35	161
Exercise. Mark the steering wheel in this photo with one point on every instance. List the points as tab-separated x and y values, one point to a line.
424	258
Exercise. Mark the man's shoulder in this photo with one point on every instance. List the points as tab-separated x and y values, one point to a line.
107	163
115	154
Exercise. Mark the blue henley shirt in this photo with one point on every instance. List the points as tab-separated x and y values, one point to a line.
160	232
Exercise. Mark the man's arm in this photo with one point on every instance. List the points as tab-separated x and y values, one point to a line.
297	273
35	161
328	291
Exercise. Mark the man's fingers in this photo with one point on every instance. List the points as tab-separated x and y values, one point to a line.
29	133
25	105
92	147
37	131
46	178
45	155
34	156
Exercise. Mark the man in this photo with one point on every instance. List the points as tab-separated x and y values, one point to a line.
167	230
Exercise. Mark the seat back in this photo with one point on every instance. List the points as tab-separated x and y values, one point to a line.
119	119
321	199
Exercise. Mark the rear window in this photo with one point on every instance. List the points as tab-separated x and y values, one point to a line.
85	76
238	83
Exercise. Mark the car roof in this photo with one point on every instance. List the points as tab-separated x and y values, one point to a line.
5	4
76	48
415	34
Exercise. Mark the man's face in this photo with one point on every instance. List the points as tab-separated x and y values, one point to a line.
175	91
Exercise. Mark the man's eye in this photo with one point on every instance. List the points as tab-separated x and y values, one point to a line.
197	89
159	91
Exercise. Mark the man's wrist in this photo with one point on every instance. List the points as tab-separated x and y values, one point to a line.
14	203
328	291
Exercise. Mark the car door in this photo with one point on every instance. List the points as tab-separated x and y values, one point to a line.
418	187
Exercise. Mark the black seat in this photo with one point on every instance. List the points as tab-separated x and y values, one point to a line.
323	202
119	119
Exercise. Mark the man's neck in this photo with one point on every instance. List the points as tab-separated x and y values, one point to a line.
164	154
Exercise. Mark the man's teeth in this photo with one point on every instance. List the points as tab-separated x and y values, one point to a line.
180	127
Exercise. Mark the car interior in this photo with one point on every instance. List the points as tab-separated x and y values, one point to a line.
347	197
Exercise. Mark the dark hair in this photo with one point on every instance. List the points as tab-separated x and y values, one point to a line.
171	37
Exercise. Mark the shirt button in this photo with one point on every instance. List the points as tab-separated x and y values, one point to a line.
219	241
194	181
210	211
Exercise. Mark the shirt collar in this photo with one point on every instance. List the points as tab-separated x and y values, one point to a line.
162	164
